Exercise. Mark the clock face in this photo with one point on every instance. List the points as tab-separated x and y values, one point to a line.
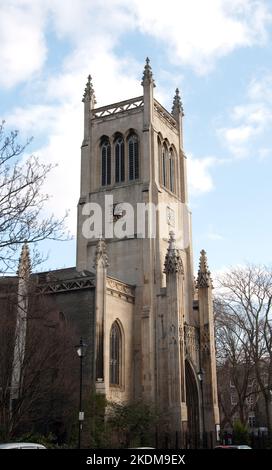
170	217
118	211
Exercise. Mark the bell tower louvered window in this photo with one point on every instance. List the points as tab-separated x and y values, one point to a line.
171	171
119	160
106	163
115	354
164	166
133	158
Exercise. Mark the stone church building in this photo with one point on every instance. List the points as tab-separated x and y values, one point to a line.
132	296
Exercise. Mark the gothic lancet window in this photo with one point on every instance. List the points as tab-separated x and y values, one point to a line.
115	354
119	160
133	157
171	171
106	162
164	178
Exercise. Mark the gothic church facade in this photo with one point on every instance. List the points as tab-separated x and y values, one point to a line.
132	295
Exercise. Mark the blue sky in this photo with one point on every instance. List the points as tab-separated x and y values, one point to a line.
218	53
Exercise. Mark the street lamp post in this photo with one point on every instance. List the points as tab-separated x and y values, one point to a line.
200	378
80	352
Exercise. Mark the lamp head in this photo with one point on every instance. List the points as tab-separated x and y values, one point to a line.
81	348
200	375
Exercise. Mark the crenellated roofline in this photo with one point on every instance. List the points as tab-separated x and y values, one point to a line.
131	104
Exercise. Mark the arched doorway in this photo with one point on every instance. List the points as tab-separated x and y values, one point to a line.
192	402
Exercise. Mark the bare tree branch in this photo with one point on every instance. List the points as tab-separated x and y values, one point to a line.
244	333
22	201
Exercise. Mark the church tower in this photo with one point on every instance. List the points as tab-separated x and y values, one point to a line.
134	195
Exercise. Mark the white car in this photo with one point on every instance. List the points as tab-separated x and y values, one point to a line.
21	445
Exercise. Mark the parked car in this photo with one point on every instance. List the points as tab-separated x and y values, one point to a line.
21	445
233	446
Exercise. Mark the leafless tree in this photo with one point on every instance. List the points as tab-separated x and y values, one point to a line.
47	391
234	369
244	329
22	200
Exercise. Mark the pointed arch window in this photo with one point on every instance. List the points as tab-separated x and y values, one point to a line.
171	171
133	157
119	160
105	162
164	175
115	354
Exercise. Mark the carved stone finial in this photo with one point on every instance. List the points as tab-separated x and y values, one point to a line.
101	254
24	267
147	75
177	104
204	276
173	262
89	91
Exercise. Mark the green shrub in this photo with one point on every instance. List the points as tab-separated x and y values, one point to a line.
49	441
240	433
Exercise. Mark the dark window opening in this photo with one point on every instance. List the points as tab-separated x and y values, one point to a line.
115	354
133	158
119	160
172	172
106	163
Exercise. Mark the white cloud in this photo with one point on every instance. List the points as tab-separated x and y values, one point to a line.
213	234
93	28
261	89
40	118
62	151
237	138
63	181
199	178
256	113
197	33
22	43
239	135
114	79
193	33
250	121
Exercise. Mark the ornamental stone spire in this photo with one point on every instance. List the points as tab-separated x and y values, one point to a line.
173	262
89	94
147	75
101	257
204	276
177	107
24	268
